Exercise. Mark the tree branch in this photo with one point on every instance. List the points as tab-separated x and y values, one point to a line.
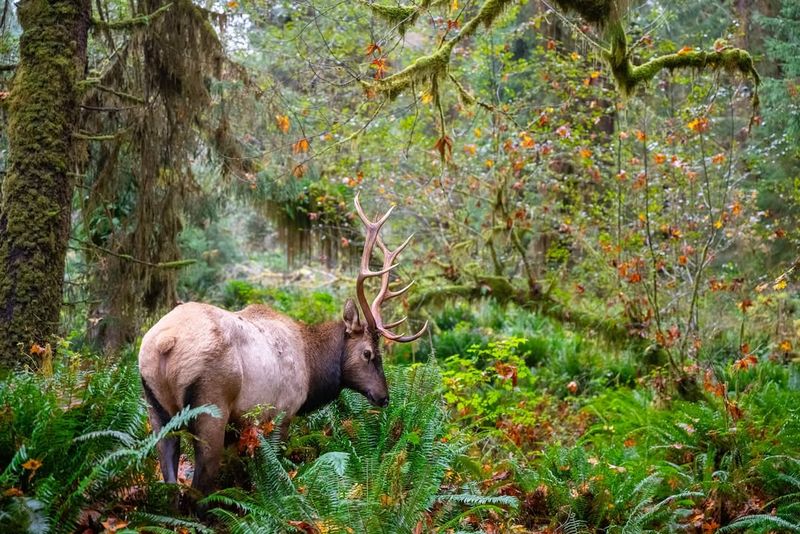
138	21
177	264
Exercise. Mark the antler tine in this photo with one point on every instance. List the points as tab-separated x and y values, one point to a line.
366	220
395	323
405	339
392	294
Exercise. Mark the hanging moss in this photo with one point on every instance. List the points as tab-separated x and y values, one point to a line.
597	12
402	17
145	175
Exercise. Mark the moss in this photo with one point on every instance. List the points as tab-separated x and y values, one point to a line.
37	190
402	17
595	11
423	69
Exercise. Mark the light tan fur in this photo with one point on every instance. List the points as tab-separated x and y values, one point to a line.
242	352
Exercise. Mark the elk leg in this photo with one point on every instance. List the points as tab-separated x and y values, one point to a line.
169	449
169	452
209	443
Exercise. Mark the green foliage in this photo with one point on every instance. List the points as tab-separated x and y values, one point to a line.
384	470
311	308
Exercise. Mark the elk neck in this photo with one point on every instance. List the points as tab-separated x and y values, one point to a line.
324	353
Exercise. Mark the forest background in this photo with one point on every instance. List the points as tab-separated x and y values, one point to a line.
604	198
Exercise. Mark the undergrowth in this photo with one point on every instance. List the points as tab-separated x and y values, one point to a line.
519	424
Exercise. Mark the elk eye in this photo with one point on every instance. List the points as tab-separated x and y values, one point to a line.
367	354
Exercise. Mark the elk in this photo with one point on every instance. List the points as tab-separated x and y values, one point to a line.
199	354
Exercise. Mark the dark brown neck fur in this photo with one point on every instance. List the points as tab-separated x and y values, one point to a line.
325	345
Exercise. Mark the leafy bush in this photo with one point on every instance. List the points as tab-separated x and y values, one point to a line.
311	308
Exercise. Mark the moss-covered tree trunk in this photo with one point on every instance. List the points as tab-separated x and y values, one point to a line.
43	114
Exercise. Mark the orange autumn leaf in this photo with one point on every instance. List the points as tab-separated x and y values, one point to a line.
32	465
300	146
698	125
299	171
381	66
506	372
248	441
38	350
733	409
113	524
304	526
268	426
444	145
282	121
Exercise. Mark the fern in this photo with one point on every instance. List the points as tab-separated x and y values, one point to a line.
762	522
378	471
85	428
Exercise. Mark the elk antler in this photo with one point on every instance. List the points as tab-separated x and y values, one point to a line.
372	313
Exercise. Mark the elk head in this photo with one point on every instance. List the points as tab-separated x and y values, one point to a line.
363	365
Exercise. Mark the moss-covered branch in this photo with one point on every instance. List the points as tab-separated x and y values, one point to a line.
501	290
138	21
175	264
426	68
629	76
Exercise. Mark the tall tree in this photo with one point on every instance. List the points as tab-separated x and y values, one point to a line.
44	110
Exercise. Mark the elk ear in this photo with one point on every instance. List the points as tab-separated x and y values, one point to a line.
350	316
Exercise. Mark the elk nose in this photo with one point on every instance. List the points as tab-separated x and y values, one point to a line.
385	402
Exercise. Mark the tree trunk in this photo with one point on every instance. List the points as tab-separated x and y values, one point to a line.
43	113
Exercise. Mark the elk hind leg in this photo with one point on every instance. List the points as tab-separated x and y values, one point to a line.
169	449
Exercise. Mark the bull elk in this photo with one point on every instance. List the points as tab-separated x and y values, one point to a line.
200	354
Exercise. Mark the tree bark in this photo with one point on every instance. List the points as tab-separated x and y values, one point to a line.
37	190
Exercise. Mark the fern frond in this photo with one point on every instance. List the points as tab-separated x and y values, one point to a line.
761	521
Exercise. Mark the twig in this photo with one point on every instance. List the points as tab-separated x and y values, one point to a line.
177	264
